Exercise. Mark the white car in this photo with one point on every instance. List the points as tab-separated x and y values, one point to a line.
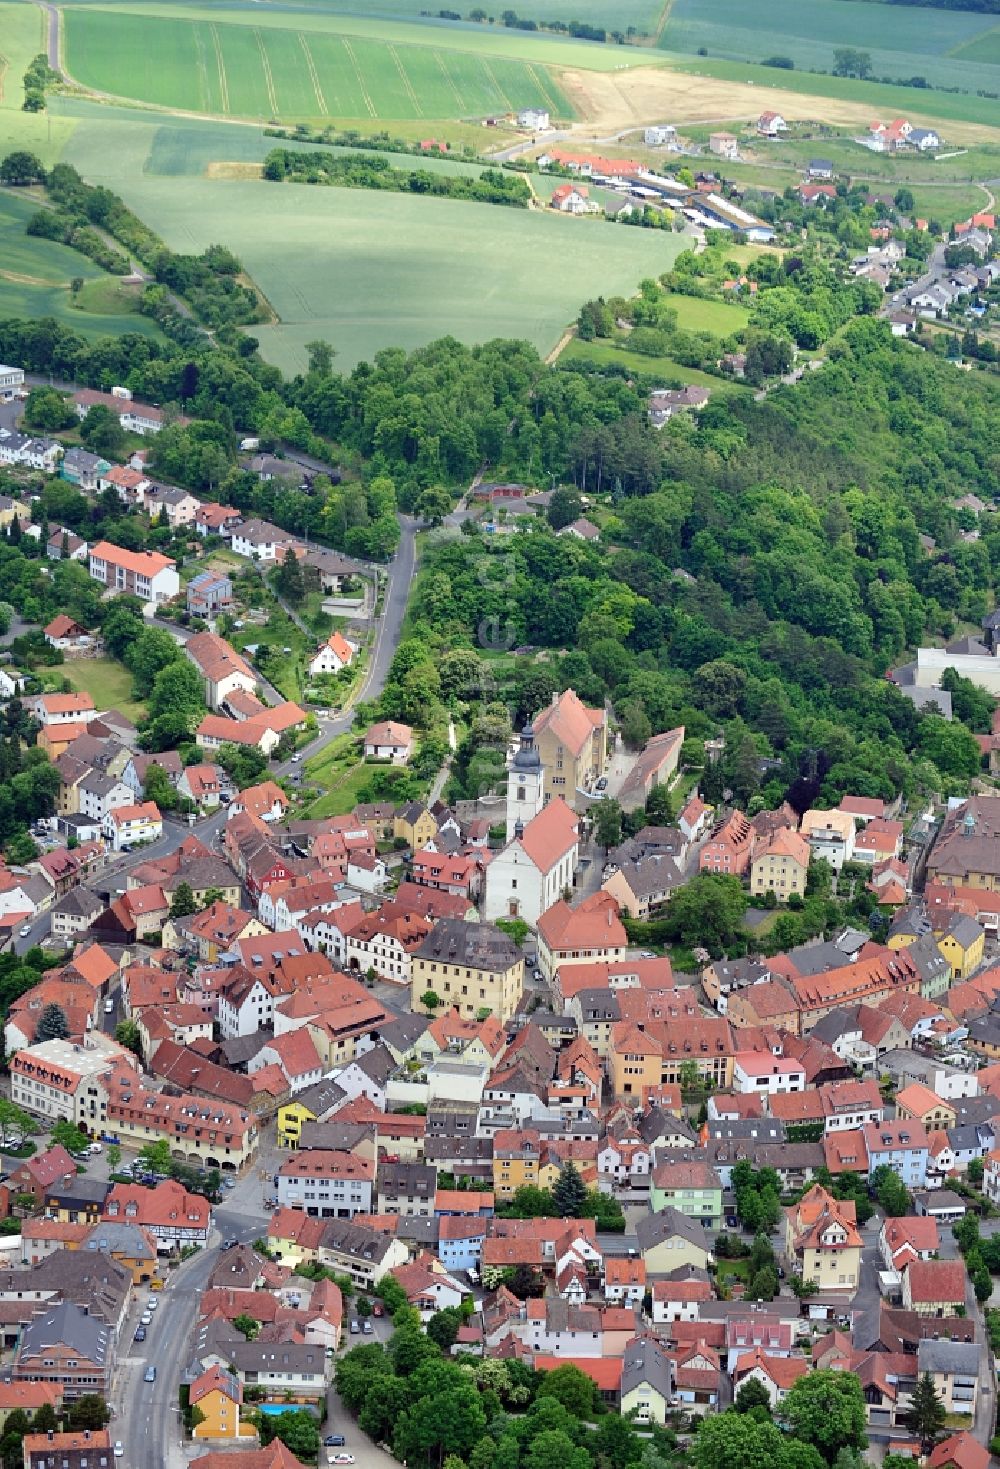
119	1450
296	759
146	1319
151	1303
340	1458
25	931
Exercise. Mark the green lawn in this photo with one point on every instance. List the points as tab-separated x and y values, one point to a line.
254	71
108	683
719	317
945	46
340	773
659	367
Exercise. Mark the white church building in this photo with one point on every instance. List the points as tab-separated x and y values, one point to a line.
539	862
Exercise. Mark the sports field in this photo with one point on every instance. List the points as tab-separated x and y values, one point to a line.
255	71
948	47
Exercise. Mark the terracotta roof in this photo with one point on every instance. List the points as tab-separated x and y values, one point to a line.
917	1100
937	1280
389	732
961	1450
548	837
143	563
784	1372
594	924
570	721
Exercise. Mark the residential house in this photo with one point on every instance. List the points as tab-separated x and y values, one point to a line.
781	867
690	1186
209	593
218	1395
391	741
822	1239
934	1287
146	574
69	1348
126	826
590	933
647	1382
954	1369
900	1145
332	656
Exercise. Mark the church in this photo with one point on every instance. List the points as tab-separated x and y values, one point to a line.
540	859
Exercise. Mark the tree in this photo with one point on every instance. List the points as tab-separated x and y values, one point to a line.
67	1135
430	1000
90	1411
571	1387
155	1157
927	1413
569	1191
52	1024
827	1410
114	1158
689	1076
249	1326
184	903
43	1419
903	200
297	1430
15	1124
48	410
763	1285
178	690
127	1034
565	506
20	168
443	1326
289	580
753	1394
890	1191
607	823
434	504
102	432
848	62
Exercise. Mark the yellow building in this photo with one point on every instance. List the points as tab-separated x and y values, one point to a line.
414	825
217	1395
635	1060
11	510
919	1101
781	867
516	1161
474	967
572	743
311	1105
962	944
821	1237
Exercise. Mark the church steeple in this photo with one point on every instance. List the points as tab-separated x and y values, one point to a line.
525	783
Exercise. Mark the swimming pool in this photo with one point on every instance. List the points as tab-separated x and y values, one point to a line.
272	1410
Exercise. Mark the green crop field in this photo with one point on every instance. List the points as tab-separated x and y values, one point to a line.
256	72
368	271
985	48
903	40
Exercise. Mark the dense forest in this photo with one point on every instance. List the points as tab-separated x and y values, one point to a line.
761	564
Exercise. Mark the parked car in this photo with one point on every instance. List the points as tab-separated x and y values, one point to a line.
146	1319
119	1450
109	1007
334	1441
151	1303
25	931
140	1334
355	1328
366	1327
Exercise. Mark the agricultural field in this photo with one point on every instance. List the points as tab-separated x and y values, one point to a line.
369	270
903	41
844	101
250	71
35	278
